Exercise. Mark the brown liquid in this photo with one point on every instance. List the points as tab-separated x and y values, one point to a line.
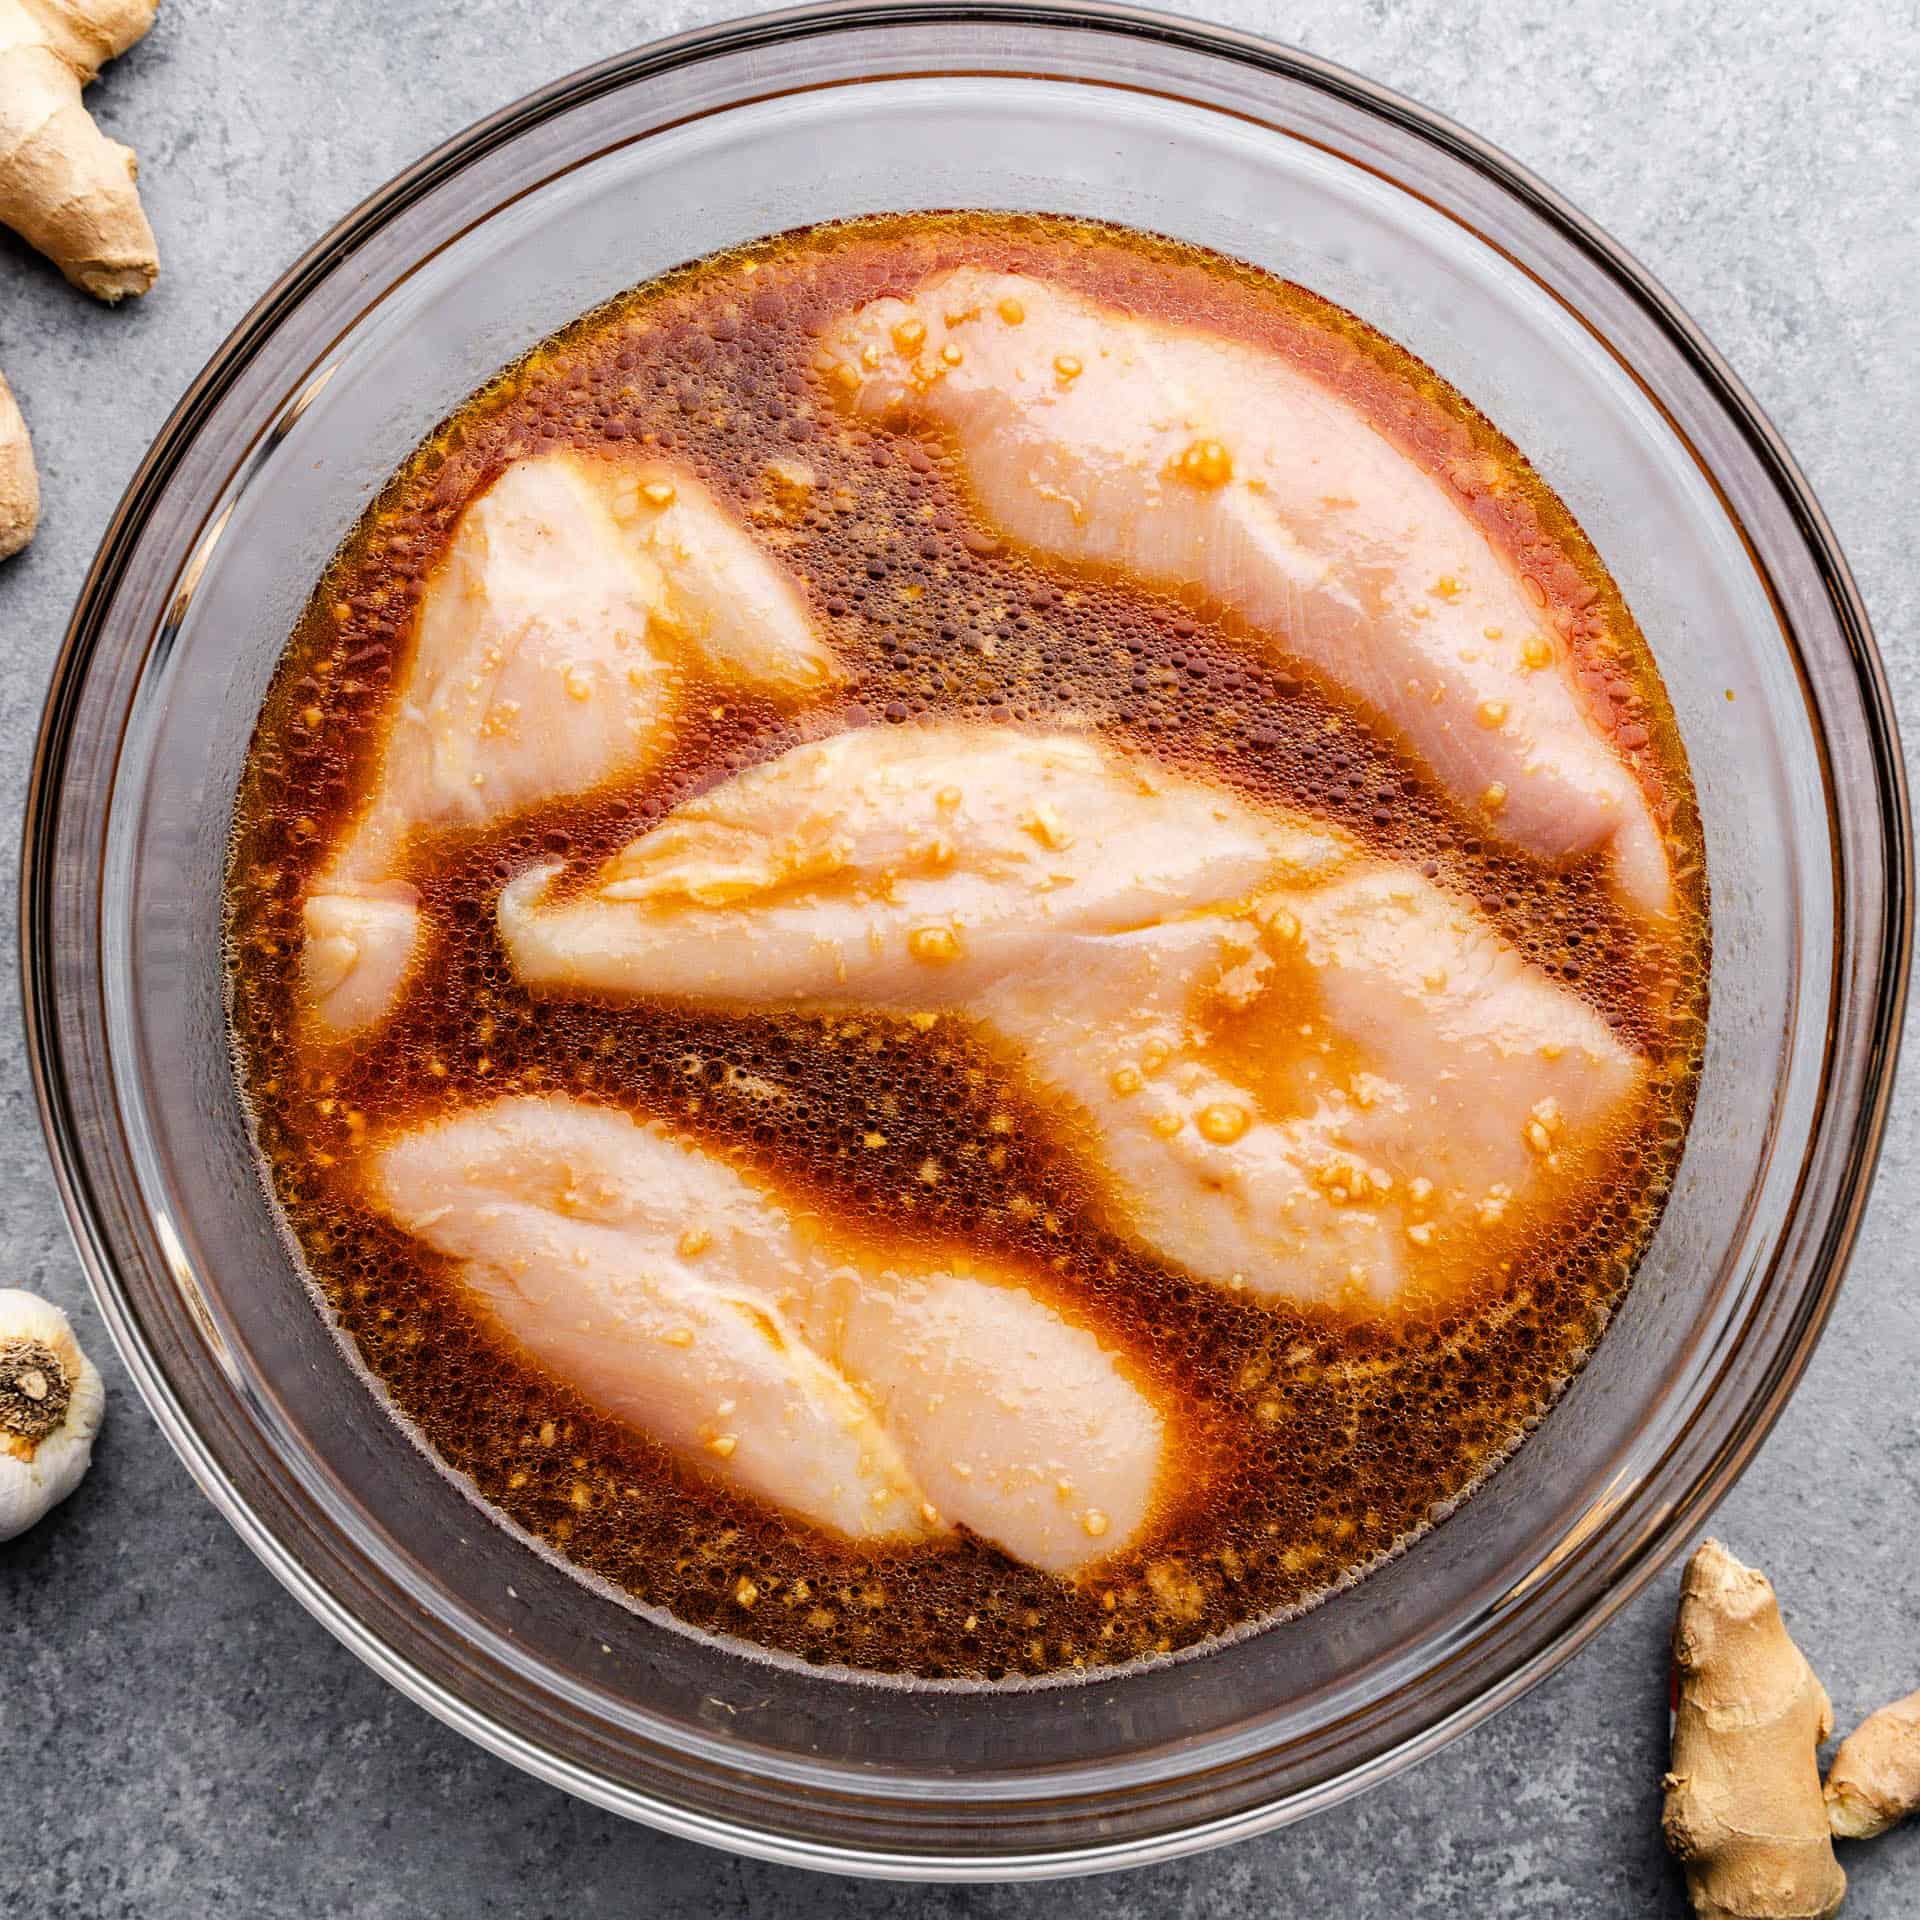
1329	1443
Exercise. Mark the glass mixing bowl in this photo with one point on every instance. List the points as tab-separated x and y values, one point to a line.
599	182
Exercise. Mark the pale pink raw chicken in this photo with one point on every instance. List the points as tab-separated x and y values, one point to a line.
1298	1069
1193	461
885	1398
550	650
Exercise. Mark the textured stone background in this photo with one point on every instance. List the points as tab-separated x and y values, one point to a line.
180	1739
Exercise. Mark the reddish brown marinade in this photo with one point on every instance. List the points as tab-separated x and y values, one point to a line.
1330	1442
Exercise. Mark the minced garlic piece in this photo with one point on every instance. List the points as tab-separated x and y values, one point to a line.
1223	1122
936	945
1206	464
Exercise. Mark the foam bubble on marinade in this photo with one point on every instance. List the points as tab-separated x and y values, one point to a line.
1325	1445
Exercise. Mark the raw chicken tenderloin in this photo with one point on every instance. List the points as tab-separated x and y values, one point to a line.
882	1399
1191	460
1299	1070
548	655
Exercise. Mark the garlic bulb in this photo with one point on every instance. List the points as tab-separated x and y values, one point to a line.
51	1400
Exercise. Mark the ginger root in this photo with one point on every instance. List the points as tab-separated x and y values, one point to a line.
19	482
1874	1782
1744	1812
65	188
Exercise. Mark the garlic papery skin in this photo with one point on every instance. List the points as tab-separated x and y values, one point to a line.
51	1401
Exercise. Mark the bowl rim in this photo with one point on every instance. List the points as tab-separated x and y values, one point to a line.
1655	1541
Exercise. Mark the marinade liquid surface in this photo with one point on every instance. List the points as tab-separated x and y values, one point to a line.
1327	1441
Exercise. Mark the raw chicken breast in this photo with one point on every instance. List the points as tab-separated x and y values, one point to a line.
1191	460
357	944
1354	1094
905	868
550	649
1020	1424
883	1399
1294	1068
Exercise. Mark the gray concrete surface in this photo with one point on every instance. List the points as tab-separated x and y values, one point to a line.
180	1739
